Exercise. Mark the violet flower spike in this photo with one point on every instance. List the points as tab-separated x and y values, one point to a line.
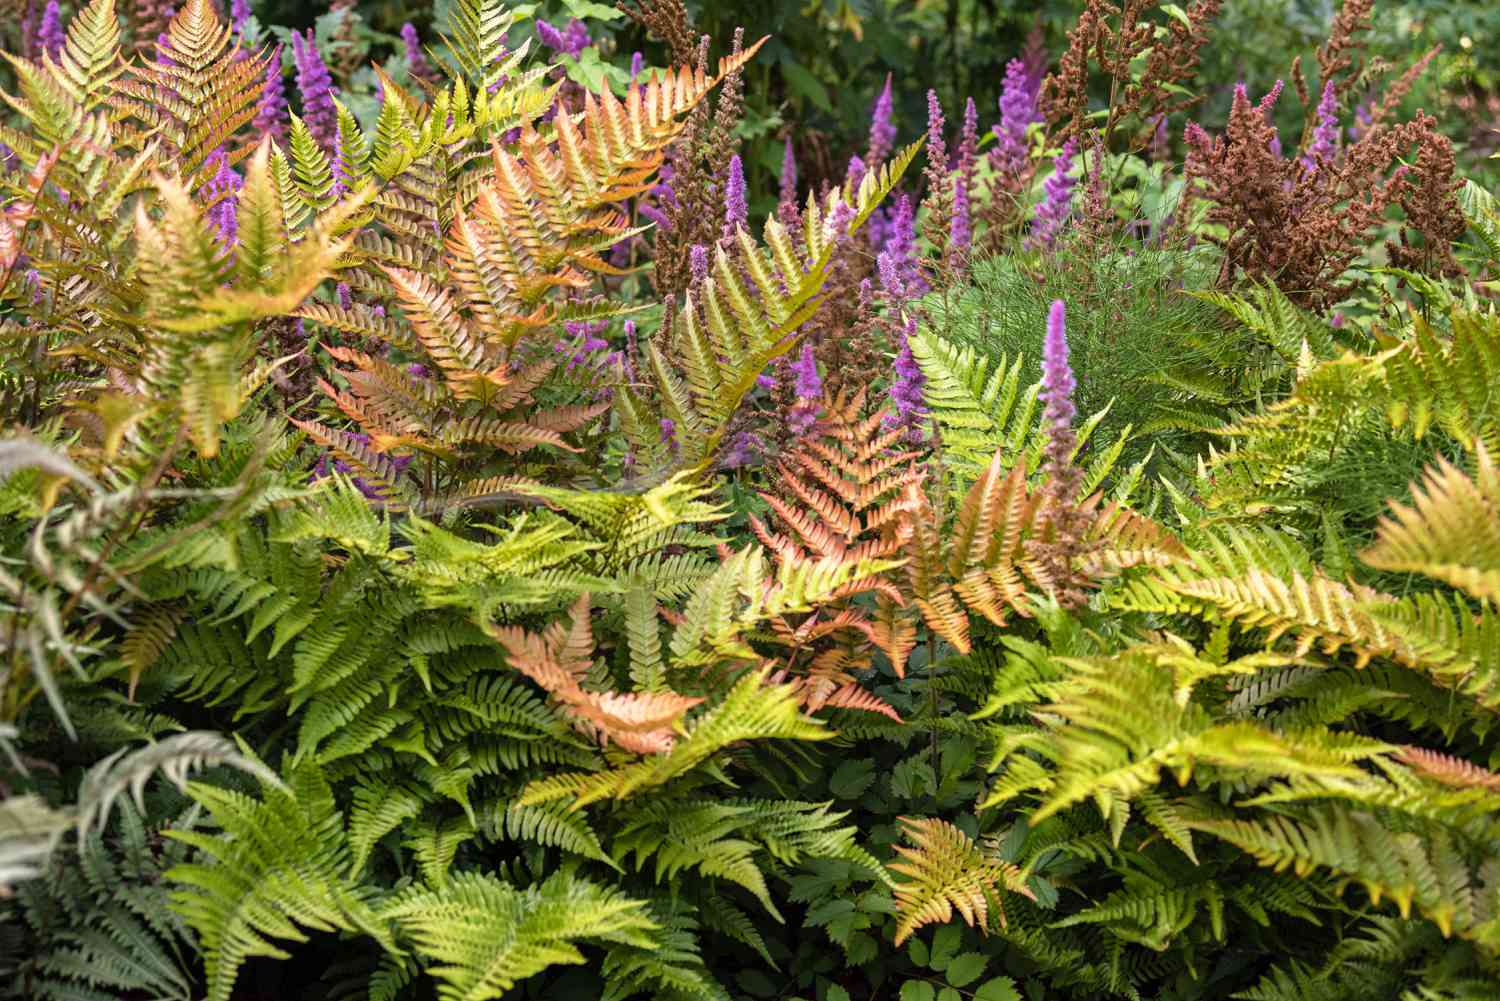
270	111
882	127
809	387
698	264
937	147
1017	111
337	166
961	232
50	35
417	65
239	13
856	173
225	185
899	255
788	175
316	86
1052	214
1326	133
637	65
906	391
736	210
344	296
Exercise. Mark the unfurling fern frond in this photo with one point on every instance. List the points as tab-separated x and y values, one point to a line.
945	871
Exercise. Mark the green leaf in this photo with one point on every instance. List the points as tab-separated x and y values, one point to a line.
918	951
949	994
945	943
999	989
966	968
809	86
756	983
917	990
1179	14
851	779
587	9
835	993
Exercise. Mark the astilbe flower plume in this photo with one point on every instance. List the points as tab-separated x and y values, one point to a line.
855	174
1052	213
1326	133
698	264
788	192
1065	521
809	388
239	13
736	209
900	274
1018	110
910	406
270	111
50	35
316	87
882	127
1281	223
224	214
417	65
939	200
962	233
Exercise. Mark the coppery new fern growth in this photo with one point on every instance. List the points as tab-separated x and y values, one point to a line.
840	495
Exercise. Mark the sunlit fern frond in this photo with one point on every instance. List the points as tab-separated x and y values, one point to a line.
944	871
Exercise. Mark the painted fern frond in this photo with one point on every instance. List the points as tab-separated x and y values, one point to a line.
944	872
481	936
1450	532
751	711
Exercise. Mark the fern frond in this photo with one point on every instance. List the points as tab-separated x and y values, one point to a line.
945	871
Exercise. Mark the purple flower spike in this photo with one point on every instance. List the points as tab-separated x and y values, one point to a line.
856	175
937	147
900	276
1058	383
416	60
961	234
270	112
50	35
1018	109
419	371
1052	214
906	390
225	213
570	41
788	175
239	13
337	167
637	64
346	299
698	264
1326	134
736	211
316	86
809	386
882	127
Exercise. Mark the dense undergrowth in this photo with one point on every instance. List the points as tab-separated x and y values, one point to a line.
466	540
